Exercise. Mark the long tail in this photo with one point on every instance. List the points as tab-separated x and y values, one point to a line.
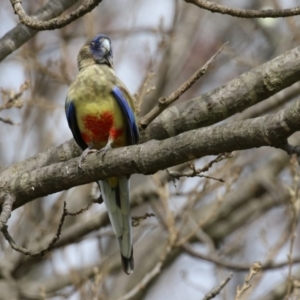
115	192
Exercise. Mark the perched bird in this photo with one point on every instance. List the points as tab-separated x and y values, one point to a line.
100	114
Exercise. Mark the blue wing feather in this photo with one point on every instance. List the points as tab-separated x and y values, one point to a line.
128	113
72	121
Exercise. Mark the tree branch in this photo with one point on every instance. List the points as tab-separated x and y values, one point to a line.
56	237
39	252
216	291
246	13
8	201
19	35
235	96
164	102
270	130
254	270
236	209
240	206
235	266
7	120
55	23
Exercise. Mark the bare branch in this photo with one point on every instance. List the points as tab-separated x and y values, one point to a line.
54	239
144	282
56	22
270	130
147	279
20	34
164	102
235	96
137	220
8	120
255	268
40	252
12	99
248	89
216	291
80	211
8	202
245	13
144	89
193	172
195	212
294	207
236	266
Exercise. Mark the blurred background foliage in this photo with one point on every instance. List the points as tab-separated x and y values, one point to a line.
247	210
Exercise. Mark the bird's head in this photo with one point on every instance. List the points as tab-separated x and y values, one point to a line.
96	50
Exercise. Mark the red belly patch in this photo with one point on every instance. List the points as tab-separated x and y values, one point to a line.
115	133
100	128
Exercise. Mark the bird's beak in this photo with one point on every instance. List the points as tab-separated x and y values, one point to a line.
106	45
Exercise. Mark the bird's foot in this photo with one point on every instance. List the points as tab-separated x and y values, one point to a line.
84	154
105	149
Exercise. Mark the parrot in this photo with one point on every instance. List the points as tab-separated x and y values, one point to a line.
100	113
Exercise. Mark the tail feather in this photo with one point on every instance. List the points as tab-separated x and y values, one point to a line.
110	200
125	243
117	202
128	263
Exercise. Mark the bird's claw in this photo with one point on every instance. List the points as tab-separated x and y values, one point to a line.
84	154
104	150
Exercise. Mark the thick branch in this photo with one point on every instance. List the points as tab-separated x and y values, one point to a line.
235	96
236	210
271	130
240	206
248	89
19	35
55	23
245	13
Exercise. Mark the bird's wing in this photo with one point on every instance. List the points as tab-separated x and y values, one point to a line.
120	95
72	121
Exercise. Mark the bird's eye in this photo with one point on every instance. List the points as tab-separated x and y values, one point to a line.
92	44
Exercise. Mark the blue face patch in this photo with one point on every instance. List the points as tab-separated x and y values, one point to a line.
100	47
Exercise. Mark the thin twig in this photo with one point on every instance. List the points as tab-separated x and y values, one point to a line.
170	224
7	120
216	290
144	282
197	172
255	268
56	237
82	209
144	89
245	13
12	99
294	207
137	219
164	102
200	223
213	258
